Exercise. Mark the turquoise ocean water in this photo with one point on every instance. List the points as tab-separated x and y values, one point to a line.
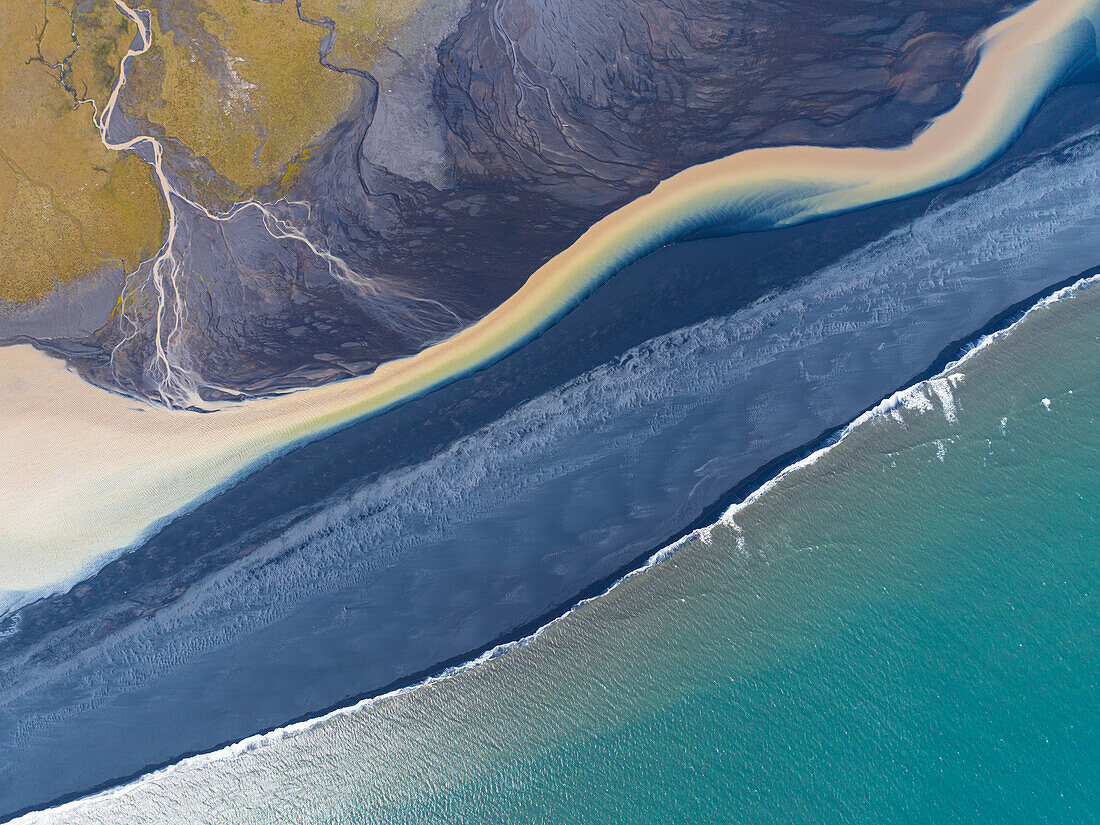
905	630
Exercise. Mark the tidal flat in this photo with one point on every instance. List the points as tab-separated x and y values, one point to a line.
902	622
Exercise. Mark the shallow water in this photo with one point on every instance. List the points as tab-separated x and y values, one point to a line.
904	630
202	638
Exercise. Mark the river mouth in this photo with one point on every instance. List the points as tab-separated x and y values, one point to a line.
475	512
344	598
163	465
273	310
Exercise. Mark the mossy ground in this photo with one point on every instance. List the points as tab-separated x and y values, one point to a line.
67	204
236	81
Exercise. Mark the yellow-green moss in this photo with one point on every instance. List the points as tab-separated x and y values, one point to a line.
67	204
252	105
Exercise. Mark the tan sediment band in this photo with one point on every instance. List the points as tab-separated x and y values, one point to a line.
85	473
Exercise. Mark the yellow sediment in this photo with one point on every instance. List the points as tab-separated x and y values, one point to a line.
363	30
252	108
86	472
68	205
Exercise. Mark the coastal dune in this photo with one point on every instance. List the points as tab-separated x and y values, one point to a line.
88	473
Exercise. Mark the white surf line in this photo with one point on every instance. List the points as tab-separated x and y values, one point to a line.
86	474
178	386
887	407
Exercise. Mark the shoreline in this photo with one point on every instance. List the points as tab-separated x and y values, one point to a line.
998	328
155	465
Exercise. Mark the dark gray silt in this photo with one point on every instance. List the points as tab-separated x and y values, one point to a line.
497	148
